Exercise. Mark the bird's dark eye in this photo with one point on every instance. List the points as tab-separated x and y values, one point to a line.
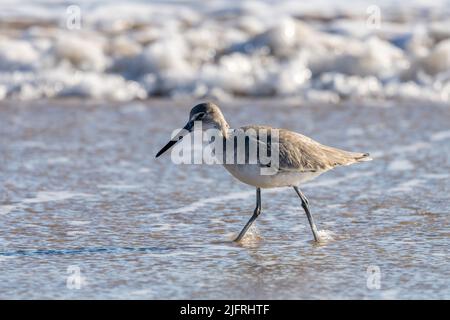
200	116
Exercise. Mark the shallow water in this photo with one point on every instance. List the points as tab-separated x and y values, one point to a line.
80	190
323	51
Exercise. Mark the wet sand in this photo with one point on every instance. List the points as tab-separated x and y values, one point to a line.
80	190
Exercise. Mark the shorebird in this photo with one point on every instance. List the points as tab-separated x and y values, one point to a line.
301	159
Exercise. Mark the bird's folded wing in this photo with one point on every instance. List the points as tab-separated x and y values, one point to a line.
300	153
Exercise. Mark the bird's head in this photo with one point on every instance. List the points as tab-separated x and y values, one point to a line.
207	115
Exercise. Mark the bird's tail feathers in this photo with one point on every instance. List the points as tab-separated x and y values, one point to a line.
362	157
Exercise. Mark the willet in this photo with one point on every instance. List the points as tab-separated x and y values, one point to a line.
300	159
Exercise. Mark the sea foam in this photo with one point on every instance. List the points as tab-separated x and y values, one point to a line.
224	49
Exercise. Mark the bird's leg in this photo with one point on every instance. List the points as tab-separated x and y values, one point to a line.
254	216
305	205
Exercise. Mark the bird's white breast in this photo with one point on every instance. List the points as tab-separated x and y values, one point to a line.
251	174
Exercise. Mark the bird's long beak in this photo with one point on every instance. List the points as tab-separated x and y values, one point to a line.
180	134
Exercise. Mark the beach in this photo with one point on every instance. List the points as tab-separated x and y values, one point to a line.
91	90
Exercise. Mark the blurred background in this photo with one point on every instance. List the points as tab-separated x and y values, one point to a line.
325	51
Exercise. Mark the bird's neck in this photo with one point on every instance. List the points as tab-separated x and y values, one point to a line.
225	129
